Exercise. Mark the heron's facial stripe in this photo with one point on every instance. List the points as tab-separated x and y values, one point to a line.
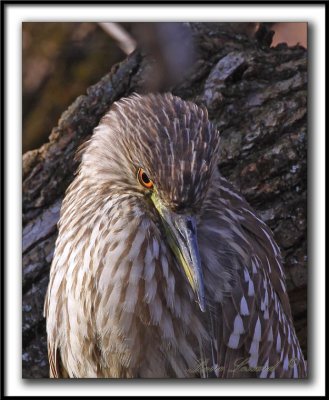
143	179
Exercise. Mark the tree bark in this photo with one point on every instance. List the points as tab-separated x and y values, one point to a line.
255	94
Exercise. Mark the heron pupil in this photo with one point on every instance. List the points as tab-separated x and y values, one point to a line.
145	178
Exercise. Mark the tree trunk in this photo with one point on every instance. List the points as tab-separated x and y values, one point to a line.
256	95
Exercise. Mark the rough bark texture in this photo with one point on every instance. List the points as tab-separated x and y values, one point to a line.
256	95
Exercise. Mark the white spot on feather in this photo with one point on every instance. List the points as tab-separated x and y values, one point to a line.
246	275
254	267
237	331
155	308
264	372
149	270
150	291
254	348
244	310
258	330
278	343
234	341
136	245
238	325
285	363
266	314
155	248
251	289
164	264
270	334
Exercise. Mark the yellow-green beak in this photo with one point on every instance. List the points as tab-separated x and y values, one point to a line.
182	238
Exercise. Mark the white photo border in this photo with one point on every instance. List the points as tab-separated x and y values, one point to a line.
14	15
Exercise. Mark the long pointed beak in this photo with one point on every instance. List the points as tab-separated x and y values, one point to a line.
182	238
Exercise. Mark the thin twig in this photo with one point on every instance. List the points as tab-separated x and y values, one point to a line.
126	42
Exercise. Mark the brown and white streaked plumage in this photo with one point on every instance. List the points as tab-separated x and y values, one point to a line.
171	276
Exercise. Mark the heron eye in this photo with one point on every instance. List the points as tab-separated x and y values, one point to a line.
144	179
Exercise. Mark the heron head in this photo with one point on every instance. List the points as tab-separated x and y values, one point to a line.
164	151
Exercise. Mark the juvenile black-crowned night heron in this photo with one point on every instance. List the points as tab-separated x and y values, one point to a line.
161	269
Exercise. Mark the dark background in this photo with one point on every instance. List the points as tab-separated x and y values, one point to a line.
61	60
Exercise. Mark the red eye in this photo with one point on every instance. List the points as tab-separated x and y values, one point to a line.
144	179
